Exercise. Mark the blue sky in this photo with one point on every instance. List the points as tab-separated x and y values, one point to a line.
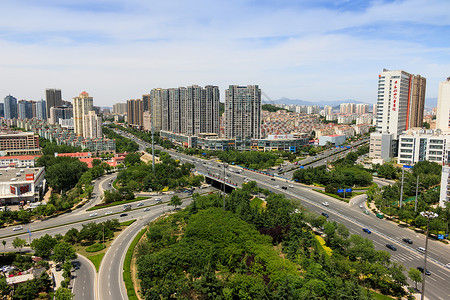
311	50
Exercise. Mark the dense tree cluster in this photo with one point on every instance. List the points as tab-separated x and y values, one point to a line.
387	199
50	148
61	172
170	173
122	144
251	253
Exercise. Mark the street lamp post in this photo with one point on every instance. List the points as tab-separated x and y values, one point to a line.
225	165
429	215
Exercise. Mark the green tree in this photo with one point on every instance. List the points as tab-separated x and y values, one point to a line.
63	294
132	159
18	243
43	246
4	245
63	252
415	275
175	201
50	209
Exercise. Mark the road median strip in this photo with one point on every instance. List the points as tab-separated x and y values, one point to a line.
127	266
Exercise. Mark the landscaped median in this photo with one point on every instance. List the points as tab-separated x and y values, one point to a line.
98	206
95	252
127	266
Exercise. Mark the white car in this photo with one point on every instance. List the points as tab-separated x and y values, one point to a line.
291	185
147	209
93	215
108	213
361	206
140	204
325	204
277	186
447	265
158	200
17	228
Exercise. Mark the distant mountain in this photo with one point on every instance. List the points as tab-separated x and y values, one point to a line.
303	102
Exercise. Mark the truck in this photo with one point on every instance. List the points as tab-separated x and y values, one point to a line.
380	215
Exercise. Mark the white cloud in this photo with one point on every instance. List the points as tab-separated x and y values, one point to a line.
301	52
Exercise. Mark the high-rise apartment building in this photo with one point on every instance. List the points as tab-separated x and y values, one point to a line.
443	107
135	108
10	107
25	109
157	97
361	109
2	110
328	110
347	108
243	112
53	99
417	101
92	125
119	108
61	112
146	102
400	103
41	110
81	106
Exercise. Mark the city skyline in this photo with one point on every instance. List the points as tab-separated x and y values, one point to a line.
284	47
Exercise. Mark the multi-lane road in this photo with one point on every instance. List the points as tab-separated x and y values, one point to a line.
383	232
109	280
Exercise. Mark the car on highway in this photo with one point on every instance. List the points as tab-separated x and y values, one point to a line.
17	228
284	187
408	241
123	215
147	209
447	266
392	247
421	249
325	215
361	206
140	204
291	185
93	215
325	203
367	230
272	179
108	213
366	211
158	200
427	272
277	186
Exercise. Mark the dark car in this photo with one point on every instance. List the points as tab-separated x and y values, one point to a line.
325	215
123	215
366	230
272	179
408	241
284	187
427	272
392	247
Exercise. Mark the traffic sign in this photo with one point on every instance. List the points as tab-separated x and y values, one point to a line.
301	167
340	190
440	236
348	190
407	167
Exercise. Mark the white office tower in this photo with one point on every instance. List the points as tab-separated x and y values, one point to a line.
445	187
92	125
443	107
400	104
81	106
243	112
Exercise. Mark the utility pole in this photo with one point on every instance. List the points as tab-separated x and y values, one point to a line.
401	189
429	215
153	141
417	193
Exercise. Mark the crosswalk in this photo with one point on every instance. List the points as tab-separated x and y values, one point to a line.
402	257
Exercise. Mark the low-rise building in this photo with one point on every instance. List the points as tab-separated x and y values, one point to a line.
17	185
21	161
19	143
418	144
334	139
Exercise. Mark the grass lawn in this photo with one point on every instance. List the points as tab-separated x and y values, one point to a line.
96	257
378	296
